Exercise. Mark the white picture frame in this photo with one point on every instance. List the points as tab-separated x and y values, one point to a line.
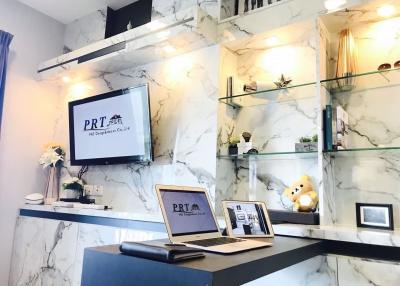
247	219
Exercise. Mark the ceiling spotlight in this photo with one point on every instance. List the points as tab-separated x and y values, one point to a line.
168	49
272	41
66	79
332	5
386	11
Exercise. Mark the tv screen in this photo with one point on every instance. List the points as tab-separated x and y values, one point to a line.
111	128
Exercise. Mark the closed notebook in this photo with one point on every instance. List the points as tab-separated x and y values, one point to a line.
161	252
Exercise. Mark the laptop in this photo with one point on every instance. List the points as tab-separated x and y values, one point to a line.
190	220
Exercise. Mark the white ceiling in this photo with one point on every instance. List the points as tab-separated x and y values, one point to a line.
65	11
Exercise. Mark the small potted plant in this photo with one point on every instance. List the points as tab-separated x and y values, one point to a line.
73	188
307	144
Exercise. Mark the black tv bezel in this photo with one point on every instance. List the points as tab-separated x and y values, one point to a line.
109	160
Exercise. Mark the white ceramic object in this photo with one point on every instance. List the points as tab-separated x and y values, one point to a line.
34	199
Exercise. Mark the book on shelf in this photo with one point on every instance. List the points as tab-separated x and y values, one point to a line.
342	128
336	126
328	132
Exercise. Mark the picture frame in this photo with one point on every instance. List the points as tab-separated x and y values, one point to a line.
247	219
378	216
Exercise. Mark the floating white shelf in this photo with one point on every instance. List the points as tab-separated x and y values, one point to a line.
163	38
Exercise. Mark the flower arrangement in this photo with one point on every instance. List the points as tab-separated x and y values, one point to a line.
73	183
52	156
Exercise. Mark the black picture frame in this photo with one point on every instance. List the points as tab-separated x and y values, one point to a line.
110	160
359	215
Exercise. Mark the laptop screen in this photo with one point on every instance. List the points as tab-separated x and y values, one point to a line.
188	212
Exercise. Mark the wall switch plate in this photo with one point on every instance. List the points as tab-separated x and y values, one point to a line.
88	189
94	190
98	191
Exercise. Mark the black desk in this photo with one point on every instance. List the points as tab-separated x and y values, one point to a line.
106	266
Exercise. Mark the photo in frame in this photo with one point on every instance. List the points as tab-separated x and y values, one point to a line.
378	216
247	219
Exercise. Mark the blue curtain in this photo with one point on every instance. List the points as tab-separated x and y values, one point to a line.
5	40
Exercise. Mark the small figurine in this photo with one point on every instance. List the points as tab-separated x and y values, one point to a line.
303	195
245	143
129	26
282	82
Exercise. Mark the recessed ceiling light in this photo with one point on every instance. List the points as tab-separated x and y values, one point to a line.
156	25
272	41
386	11
331	5
66	79
168	49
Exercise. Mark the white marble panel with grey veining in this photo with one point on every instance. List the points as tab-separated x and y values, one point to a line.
183	99
276	121
50	252
85	30
370	176
317	271
162	8
363	272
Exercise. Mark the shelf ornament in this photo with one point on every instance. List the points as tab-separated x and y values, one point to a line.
52	159
346	66
303	195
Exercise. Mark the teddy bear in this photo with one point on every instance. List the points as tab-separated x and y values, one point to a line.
303	195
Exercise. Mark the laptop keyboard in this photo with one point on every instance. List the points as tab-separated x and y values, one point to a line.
214	241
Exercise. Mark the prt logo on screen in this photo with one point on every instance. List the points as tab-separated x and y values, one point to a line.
187	209
103	126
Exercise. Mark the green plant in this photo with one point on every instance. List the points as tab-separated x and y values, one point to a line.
73	184
305	139
315	138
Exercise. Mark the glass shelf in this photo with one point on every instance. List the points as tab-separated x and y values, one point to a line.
264	96
363	81
371	151
273	155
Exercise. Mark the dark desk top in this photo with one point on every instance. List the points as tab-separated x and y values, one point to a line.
214	269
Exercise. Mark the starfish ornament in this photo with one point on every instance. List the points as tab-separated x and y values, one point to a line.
282	82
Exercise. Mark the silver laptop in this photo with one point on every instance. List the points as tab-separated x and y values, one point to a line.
190	220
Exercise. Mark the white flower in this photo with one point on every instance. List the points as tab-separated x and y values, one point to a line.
50	157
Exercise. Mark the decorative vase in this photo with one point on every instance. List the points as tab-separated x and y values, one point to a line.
347	61
51	192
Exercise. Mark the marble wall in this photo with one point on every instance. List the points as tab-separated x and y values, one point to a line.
91	28
183	99
276	120
50	252
369	176
85	30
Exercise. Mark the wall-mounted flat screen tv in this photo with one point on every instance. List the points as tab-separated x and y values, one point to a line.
111	128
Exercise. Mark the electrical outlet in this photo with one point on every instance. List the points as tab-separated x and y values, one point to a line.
94	190
89	189
98	191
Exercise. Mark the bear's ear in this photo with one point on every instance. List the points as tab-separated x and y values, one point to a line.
305	178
